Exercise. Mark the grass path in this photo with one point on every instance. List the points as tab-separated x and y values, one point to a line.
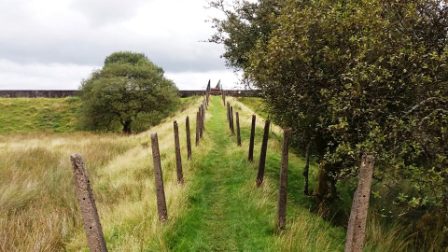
227	212
221	217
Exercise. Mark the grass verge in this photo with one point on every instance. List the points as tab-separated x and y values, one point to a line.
227	212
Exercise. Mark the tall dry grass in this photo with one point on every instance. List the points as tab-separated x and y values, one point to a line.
38	209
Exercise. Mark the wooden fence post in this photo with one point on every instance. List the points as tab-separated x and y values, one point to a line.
187	127
197	128
180	175
84	193
203	117
232	128
264	146
228	113
283	190
358	216
208	93
201	121
158	176
238	131
252	139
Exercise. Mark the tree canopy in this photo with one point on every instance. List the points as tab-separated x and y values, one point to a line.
126	93
359	76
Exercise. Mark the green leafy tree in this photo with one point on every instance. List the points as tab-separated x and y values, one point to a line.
352	77
127	91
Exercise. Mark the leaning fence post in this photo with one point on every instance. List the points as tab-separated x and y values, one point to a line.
264	146
197	128
158	176
252	139
92	225
358	216
187	127
238	131
180	175
283	181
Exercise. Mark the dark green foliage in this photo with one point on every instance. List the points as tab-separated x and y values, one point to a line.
352	77
129	93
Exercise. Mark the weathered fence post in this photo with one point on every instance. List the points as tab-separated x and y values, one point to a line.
264	146
358	216
158	176
197	128
238	131
283	181
232	128
187	127
203	117
92	225
180	175
223	97
228	113
208	93
252	139
201	121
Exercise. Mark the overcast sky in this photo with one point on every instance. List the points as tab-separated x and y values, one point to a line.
54	44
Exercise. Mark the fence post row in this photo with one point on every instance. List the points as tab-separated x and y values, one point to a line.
358	216
187	128
180	175
92	225
158	177
264	146
252	139
283	190
238	131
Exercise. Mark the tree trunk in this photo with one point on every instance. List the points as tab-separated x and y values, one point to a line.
127	127
307	169
326	190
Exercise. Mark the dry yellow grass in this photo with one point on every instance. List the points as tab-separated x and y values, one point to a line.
38	210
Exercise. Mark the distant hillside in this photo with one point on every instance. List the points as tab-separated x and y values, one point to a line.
56	115
20	115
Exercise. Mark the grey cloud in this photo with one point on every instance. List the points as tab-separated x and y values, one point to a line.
84	32
170	57
101	12
75	41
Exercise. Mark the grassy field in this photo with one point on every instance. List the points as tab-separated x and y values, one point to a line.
38	211
219	208
52	115
256	104
24	115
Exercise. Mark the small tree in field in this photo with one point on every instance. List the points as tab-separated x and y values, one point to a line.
128	88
